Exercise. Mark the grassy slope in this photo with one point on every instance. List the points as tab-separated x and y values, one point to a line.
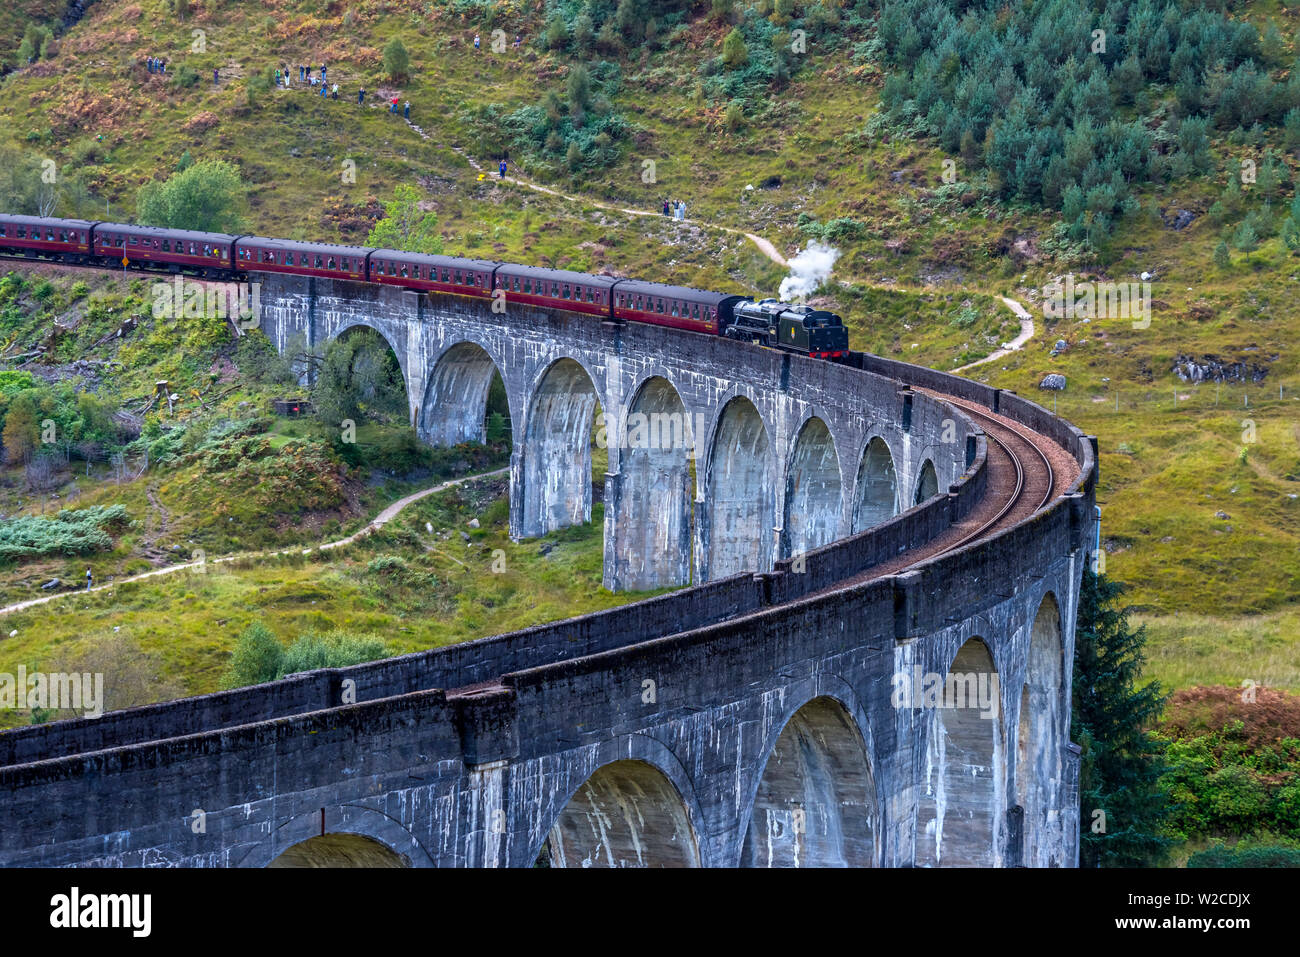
1159	495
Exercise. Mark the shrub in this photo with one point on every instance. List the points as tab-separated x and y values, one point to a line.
1259	855
335	649
258	657
71	532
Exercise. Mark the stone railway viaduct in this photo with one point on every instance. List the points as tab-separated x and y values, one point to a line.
751	719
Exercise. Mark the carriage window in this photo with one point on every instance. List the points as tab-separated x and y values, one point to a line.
63	235
566	290
135	240
404	270
659	306
331	263
49	234
320	260
695	310
22	232
167	245
675	309
2	229
207	251
458	277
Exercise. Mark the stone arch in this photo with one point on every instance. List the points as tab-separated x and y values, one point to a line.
959	813
813	491
652	540
555	455
877	487
927	485
354	328
741	505
454	408
815	805
1040	739
627	814
344	819
340	850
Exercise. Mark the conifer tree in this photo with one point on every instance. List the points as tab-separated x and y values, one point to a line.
1112	714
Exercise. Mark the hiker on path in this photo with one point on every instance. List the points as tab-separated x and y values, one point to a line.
89	578
406	110
216	77
323	92
335	92
665	207
502	169
361	96
476	41
394	109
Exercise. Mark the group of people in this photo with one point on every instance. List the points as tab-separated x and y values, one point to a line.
155	65
306	74
674	208
518	40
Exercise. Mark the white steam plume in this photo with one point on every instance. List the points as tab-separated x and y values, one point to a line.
808	270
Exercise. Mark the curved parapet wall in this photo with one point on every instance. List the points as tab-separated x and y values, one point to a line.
481	753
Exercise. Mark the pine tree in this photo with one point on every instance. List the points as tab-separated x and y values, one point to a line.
1291	227
735	53
1221	257
1112	711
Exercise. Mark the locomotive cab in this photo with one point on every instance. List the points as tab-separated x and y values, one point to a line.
815	331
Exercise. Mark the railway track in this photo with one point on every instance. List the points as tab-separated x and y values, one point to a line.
1023	477
1035	478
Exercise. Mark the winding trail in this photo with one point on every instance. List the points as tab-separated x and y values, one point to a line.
379	521
1026	333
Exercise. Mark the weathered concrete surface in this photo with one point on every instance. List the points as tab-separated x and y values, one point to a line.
760	426
740	722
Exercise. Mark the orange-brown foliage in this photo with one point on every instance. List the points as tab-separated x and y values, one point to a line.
1273	715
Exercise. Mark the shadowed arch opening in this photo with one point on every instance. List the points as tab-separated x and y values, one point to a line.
653	540
741	503
816	802
877	499
813	491
627	814
961	803
1039	739
927	486
340	850
557	450
359	377
455	407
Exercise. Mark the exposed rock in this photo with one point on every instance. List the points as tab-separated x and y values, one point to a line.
1222	514
1210	368
473	523
1055	381
1177	219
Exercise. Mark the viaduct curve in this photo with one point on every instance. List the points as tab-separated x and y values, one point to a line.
855	532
